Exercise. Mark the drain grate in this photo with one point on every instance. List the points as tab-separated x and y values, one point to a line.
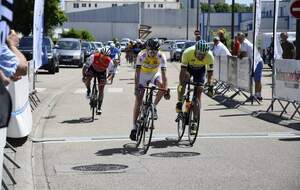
100	167
175	154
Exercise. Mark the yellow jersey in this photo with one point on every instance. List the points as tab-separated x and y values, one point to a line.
150	64
189	58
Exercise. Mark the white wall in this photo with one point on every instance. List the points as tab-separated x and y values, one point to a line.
107	31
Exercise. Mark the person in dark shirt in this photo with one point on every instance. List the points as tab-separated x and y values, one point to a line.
287	47
221	35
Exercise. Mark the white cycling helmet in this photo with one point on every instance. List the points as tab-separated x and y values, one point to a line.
112	45
105	51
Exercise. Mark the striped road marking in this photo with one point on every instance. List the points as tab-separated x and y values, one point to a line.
40	89
283	135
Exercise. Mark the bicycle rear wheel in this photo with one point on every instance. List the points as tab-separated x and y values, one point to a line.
148	129
94	100
180	125
194	121
140	127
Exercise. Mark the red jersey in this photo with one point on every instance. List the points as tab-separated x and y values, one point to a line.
101	62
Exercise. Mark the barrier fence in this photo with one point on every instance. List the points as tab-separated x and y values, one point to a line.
233	74
286	86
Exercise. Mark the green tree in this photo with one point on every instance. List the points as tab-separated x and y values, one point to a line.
205	8
80	34
23	16
222	7
241	8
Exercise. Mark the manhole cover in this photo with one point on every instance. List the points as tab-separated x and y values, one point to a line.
100	167
175	154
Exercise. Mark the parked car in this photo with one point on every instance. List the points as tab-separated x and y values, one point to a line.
187	44
175	49
108	43
49	62
127	40
70	52
87	49
166	45
99	45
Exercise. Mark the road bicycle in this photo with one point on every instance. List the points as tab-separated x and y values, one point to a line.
145	121
191	115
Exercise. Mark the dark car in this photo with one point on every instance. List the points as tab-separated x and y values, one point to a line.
187	44
87	49
175	49
51	63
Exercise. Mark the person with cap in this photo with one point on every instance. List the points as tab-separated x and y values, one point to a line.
219	49
247	51
221	35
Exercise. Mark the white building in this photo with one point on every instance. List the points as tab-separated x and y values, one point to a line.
85	5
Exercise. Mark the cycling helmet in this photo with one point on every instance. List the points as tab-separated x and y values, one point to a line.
152	44
202	46
112	45
105	51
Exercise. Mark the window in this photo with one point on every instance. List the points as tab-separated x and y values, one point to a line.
154	5
148	5
75	5
83	5
89	5
114	4
161	5
96	4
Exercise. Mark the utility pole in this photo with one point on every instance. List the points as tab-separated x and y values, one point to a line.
208	22
232	19
187	18
197	18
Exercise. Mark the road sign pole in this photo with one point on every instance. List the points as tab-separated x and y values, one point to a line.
298	39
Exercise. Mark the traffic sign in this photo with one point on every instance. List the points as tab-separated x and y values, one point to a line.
197	33
295	9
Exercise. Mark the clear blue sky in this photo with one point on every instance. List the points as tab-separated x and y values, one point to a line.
240	1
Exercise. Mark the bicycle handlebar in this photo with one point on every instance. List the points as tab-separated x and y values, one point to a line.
154	88
200	84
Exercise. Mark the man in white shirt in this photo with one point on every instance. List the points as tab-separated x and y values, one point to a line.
219	48
247	51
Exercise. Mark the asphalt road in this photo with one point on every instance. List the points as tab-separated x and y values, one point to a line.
234	150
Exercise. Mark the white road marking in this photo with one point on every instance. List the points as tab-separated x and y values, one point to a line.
115	90
282	135
40	89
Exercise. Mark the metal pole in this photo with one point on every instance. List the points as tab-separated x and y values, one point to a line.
273	58
298	39
232	19
187	18
254	45
197	17
208	22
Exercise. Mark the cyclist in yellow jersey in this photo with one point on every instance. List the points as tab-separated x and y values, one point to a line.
195	61
147	71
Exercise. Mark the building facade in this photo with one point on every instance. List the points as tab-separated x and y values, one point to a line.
85	5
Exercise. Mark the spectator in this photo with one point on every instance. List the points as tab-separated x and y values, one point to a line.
221	35
219	48
247	51
236	47
197	37
288	48
13	64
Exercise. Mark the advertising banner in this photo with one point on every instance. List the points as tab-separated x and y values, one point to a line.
216	73
244	74
232	71
20	124
223	69
287	79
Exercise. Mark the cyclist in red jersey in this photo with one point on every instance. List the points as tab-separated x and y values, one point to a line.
101	66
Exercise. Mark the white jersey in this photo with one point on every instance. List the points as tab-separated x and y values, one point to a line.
220	50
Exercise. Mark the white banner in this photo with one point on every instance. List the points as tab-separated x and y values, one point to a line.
38	29
6	13
216	73
20	124
287	79
223	69
257	17
277	45
232	71
244	74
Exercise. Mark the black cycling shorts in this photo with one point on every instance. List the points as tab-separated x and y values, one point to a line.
198	74
101	76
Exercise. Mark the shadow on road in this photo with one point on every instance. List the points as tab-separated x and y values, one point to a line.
174	154
290	139
78	121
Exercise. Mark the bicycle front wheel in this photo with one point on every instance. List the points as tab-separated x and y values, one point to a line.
148	128
194	121
180	125
94	101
